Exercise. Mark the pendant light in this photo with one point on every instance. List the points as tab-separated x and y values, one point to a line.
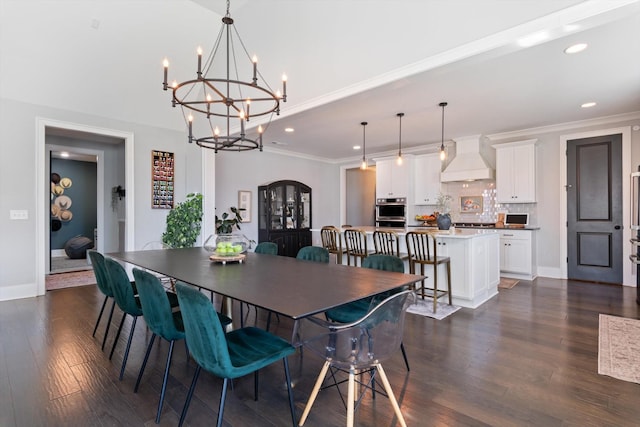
443	155
399	160
363	166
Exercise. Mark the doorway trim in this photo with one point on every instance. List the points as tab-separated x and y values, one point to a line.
42	182
625	131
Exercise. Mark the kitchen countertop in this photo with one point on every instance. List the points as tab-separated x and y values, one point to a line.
457	233
483	227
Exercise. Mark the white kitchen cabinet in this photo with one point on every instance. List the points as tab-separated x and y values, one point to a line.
393	180
475	271
517	254
426	179
516	172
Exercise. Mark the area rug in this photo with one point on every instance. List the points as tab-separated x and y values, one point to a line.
424	307
619	348
507	283
68	280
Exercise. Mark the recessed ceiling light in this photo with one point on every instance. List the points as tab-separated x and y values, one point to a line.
288	130
588	104
356	147
578	47
64	154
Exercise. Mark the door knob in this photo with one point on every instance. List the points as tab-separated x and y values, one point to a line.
617	227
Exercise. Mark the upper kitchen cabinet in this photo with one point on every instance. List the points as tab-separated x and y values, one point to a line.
393	180
426	179
284	216
516	171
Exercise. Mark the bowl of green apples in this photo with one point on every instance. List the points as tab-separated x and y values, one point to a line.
227	245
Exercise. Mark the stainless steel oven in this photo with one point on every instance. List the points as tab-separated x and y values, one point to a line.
391	212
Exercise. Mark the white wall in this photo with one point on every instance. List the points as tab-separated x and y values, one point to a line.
246	171
19	253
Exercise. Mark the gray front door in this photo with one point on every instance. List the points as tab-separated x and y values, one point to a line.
594	209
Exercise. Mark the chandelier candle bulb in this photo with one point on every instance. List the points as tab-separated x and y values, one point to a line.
248	106
165	65
255	69
284	88
241	123
190	128
199	50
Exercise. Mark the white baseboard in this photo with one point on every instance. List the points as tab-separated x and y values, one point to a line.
58	253
26	290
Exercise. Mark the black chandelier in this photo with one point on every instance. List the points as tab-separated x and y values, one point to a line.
227	98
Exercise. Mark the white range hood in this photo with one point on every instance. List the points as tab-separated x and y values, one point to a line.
474	160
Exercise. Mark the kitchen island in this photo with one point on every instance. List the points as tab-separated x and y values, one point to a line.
475	261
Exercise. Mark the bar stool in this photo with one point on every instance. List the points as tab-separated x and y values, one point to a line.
422	247
387	242
356	243
332	241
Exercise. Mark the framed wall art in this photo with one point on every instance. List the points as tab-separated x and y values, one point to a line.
471	204
162	174
244	202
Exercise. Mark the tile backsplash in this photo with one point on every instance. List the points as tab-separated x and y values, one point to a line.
474	191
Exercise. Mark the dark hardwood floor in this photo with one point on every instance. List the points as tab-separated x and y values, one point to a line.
528	357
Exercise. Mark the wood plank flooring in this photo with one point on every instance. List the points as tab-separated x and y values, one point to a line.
528	357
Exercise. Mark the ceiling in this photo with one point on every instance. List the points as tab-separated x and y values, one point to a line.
347	61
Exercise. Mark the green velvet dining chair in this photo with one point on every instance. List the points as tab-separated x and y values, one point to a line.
351	312
99	270
313	253
127	301
161	319
235	354
268	248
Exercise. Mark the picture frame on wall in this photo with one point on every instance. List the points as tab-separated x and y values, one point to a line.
162	184
470	204
244	202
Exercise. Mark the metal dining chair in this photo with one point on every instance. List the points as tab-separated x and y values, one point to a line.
332	241
387	242
232	355
423	250
356	347
356	244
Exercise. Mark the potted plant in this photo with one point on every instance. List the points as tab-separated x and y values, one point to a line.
443	219
184	223
224	224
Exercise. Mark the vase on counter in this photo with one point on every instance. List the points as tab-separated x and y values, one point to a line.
444	221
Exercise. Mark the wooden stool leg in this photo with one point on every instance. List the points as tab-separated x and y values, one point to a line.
350	397
392	399
314	393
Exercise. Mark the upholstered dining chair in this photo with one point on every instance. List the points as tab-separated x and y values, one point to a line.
161	319
332	241
348	313
356	347
356	244
102	280
313	253
127	301
268	248
235	354
423	250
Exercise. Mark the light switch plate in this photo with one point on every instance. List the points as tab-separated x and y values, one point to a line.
18	214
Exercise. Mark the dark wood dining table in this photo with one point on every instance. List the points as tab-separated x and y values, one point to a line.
284	285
